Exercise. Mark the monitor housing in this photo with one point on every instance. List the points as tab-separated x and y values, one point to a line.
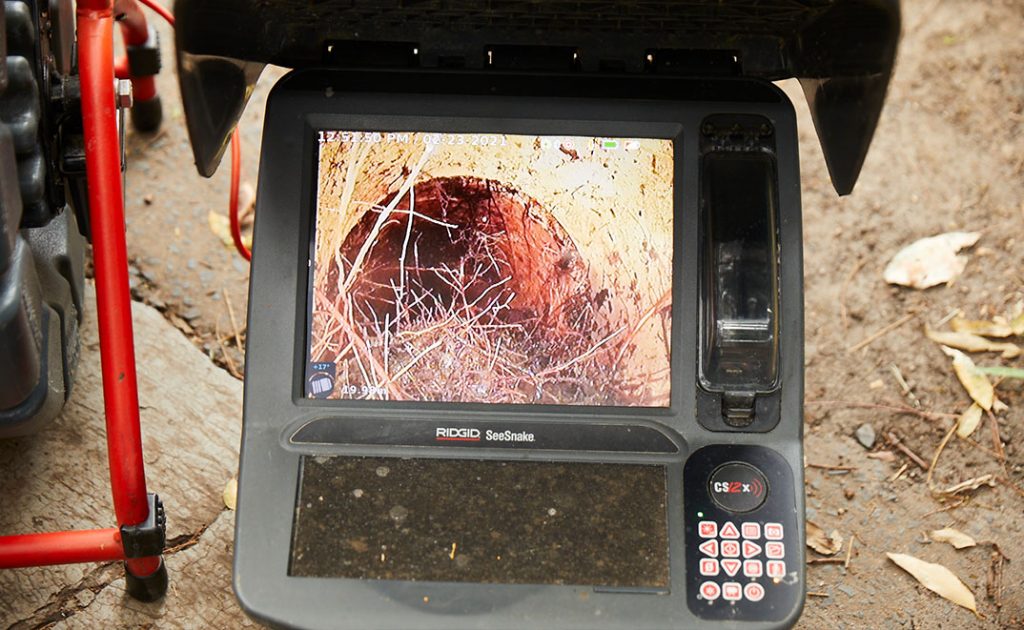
733	408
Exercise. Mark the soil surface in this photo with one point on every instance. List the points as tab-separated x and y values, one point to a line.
948	155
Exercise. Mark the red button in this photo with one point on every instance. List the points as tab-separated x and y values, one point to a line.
776	569
751	531
731	567
707	529
773	531
754	592
710	591
708	567
750	549
709	548
729	530
775	550
752	568
732	591
730	549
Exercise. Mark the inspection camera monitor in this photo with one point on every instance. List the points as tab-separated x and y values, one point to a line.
524	356
525	336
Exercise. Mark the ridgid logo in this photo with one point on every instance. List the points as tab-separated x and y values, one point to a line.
452	434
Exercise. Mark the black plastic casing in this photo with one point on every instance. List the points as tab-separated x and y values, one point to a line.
275	407
842	51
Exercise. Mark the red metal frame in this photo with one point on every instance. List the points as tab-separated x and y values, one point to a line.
113	306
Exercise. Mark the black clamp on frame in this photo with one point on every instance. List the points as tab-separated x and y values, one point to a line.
145	540
149	537
144	59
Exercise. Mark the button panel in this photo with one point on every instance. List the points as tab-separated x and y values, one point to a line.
743	565
751	566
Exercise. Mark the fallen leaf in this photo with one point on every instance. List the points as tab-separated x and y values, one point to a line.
1004	372
937	579
231	494
995	328
181	324
968	421
246	203
971	484
1017	325
930	261
976	383
827	545
972	342
884	456
221	226
952	536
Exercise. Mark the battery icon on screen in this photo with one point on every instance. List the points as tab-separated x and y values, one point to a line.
609	143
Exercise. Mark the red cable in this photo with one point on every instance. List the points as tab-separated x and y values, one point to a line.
236	157
236	161
159	10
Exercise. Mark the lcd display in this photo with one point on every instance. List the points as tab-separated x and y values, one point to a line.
481	521
491	268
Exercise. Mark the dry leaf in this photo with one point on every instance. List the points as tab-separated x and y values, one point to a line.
884	456
1003	372
996	328
231	494
976	383
221	226
952	536
972	342
930	261
1017	325
971	484
969	421
937	579
246	203
827	545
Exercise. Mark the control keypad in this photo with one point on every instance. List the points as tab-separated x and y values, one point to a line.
742	565
745	557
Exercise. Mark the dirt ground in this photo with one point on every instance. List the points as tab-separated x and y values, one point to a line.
948	154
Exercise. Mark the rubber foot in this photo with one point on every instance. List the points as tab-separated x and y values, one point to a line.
147	115
149	588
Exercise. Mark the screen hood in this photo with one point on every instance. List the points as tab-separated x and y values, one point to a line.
842	51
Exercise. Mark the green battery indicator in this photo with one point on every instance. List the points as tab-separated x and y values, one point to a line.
609	143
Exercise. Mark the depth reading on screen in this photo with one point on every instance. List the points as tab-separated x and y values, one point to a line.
492	268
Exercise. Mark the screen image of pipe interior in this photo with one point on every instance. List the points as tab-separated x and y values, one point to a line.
492	268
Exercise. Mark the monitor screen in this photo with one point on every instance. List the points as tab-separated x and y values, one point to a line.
492	268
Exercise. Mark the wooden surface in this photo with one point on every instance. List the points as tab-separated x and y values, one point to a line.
191	420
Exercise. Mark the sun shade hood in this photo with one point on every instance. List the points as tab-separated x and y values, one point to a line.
842	51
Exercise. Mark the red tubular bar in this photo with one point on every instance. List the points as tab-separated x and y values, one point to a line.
121	68
114	311
35	550
110	260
